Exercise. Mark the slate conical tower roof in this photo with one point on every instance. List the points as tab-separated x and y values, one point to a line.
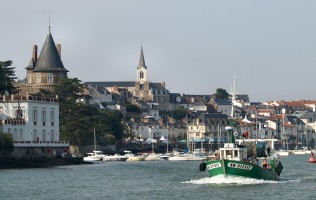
49	59
141	62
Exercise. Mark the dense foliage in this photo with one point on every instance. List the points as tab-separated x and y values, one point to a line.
7	77
221	94
78	121
6	144
180	113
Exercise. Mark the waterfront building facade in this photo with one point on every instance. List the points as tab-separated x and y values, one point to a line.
33	123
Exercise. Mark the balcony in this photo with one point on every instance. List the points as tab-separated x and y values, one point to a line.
41	143
12	121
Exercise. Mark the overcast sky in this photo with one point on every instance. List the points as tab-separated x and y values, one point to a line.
194	46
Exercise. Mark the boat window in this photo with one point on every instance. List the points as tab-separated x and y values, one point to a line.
235	153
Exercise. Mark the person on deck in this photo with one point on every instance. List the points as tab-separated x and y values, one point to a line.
265	164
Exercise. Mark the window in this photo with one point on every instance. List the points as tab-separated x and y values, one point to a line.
44	117
35	117
50	78
52	135
44	135
29	78
35	138
21	135
141	75
38	78
15	135
52	118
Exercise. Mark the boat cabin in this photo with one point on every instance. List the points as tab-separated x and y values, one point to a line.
231	152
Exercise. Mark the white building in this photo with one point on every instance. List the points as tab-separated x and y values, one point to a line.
33	123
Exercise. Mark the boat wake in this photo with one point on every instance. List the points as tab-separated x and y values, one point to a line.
304	179
221	180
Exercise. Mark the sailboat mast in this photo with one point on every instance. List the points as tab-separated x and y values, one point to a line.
152	142
167	136
233	92
186	117
95	144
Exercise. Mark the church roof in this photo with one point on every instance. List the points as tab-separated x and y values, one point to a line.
49	59
141	63
110	83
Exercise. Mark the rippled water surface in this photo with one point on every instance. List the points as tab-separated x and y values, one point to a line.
155	180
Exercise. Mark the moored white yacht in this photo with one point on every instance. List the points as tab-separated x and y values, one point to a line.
115	157
95	156
132	157
153	157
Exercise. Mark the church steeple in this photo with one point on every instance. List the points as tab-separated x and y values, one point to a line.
141	62
141	68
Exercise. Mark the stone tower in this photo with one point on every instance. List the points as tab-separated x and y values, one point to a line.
44	72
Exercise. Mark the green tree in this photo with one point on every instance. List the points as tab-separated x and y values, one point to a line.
131	108
6	144
77	121
180	113
7	77
68	89
133	111
221	94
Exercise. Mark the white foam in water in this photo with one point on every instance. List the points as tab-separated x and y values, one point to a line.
221	180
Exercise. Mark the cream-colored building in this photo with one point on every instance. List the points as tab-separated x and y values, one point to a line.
33	123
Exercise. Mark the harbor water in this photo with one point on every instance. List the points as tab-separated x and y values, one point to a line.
155	180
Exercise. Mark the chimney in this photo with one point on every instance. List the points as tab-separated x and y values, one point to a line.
163	84
58	46
34	55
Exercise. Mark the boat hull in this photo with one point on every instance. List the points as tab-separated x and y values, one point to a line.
312	159
241	169
136	158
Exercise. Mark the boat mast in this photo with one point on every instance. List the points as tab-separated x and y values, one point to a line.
233	93
152	142
186	117
95	144
167	136
283	130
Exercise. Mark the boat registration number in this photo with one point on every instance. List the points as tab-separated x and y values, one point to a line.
239	166
214	165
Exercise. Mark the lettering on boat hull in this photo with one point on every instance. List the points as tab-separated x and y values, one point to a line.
239	166
214	165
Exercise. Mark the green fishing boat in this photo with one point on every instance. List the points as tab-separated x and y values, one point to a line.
233	160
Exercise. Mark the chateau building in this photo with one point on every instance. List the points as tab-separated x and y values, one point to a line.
44	71
34	121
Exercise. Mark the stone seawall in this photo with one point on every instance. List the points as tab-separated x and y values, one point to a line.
14	163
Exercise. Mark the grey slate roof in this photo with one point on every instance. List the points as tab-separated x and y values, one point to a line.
49	59
31	64
111	83
223	102
242	97
204	116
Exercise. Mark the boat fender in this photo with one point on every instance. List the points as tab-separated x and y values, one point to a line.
202	166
